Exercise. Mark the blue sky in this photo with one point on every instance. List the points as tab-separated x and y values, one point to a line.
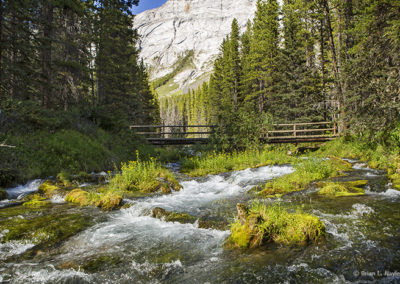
147	4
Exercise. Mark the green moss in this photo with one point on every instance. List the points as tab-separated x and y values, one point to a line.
263	224
337	189
36	201
182	218
48	230
49	189
100	262
305	172
106	200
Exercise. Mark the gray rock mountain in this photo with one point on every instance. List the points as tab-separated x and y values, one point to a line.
180	40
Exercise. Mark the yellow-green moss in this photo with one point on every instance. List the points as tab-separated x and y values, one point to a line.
240	235
107	201
36	201
183	218
337	189
48	188
266	224
395	178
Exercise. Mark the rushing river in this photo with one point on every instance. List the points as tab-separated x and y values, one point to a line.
129	246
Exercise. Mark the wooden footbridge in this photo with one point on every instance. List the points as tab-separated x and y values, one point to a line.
200	134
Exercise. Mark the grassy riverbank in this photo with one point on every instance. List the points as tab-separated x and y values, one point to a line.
215	163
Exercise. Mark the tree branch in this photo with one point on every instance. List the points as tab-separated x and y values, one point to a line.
5	145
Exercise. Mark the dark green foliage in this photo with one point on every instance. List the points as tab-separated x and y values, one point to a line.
70	85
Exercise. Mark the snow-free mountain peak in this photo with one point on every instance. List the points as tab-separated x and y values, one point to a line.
180	39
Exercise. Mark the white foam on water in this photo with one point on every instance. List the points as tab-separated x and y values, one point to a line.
196	194
134	225
360	166
361	209
14	248
391	193
333	229
32	274
22	190
350	160
57	199
388	193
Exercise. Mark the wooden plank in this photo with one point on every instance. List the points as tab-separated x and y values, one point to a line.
304	136
301	130
171	126
304	123
171	133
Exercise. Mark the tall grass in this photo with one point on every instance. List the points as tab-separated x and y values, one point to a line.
214	163
376	155
144	176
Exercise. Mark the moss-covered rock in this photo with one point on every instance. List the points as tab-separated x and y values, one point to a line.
182	218
99	262
340	162
50	188
338	189
44	230
3	194
36	201
263	224
106	200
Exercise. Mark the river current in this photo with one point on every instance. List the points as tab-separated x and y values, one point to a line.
362	243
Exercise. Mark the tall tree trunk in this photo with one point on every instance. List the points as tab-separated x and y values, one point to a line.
348	13
46	53
336	69
322	43
1	44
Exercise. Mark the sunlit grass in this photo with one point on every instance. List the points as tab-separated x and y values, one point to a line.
305	172
214	163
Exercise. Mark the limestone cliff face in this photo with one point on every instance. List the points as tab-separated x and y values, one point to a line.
191	28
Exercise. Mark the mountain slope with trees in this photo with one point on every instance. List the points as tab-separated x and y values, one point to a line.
304	61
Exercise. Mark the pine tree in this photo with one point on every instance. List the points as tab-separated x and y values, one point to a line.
263	54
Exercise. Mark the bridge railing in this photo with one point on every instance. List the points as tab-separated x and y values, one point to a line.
310	130
174	131
190	134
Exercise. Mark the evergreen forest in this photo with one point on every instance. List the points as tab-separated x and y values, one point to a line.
304	61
